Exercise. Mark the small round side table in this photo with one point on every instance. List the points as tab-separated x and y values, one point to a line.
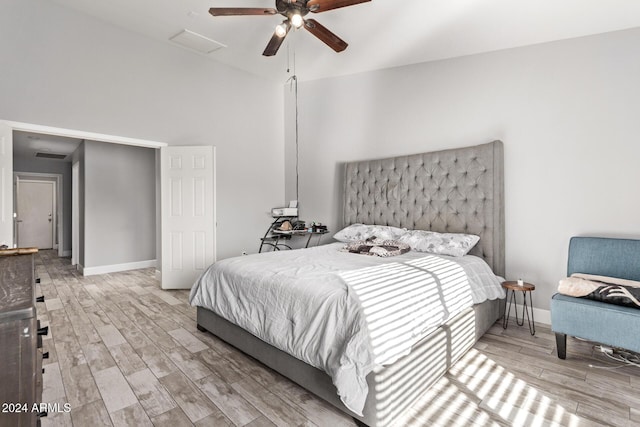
525	288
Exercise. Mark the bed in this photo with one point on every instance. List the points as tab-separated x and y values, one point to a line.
455	191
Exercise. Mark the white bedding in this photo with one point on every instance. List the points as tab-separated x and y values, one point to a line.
340	312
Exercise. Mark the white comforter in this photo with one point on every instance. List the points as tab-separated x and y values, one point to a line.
340	312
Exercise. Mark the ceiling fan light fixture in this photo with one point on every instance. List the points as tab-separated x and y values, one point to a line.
296	20
294	12
281	30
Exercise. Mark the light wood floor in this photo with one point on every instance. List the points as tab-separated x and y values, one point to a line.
124	352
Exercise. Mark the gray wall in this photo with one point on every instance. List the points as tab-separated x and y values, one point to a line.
120	204
567	112
27	164
65	69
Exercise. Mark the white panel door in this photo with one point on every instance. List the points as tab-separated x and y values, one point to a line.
6	185
35	208
187	214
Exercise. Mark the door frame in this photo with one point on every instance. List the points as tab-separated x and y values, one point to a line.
75	212
58	218
78	134
92	136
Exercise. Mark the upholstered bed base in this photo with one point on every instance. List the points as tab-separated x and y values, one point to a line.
392	389
594	320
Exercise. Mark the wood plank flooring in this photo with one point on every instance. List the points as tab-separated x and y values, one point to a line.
125	353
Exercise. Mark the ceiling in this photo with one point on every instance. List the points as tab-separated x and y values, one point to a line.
27	144
380	33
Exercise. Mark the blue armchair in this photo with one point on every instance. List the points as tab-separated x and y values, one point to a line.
608	324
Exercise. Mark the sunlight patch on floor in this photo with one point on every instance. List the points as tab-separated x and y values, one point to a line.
478	388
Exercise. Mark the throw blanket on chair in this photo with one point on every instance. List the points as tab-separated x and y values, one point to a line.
377	247
605	289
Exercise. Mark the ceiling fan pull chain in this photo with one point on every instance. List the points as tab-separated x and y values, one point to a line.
293	43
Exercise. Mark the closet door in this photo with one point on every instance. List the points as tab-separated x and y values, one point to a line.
187	214
35	206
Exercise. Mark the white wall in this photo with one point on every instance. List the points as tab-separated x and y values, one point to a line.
64	69
568	113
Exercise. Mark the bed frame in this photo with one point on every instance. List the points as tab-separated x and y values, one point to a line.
458	190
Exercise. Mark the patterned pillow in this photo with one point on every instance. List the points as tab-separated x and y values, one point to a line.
453	244
364	232
377	247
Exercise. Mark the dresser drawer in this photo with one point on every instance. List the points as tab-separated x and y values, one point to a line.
21	361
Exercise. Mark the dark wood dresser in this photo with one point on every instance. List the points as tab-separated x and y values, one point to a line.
20	343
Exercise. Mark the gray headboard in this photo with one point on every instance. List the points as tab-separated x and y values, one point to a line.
455	191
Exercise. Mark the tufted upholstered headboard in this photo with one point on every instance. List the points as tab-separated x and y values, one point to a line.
455	191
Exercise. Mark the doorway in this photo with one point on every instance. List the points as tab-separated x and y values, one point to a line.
32	210
101	173
36	214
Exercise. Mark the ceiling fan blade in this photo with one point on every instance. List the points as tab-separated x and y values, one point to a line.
234	11
276	41
321	32
324	5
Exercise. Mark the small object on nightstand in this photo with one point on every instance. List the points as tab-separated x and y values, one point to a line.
525	288
280	212
285	226
317	227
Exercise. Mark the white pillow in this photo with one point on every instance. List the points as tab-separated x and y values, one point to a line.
453	244
362	232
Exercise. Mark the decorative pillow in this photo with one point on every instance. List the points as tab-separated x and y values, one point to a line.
453	244
377	247
363	232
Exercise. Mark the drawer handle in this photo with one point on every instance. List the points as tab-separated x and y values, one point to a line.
45	355
38	280
43	331
40	299
42	414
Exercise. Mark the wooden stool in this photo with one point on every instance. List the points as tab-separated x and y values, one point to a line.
525	288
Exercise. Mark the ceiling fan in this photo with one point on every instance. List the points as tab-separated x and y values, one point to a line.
294	11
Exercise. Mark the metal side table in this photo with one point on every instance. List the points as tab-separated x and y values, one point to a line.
526	288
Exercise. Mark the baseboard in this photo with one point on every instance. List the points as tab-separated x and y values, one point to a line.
66	253
542	316
114	268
